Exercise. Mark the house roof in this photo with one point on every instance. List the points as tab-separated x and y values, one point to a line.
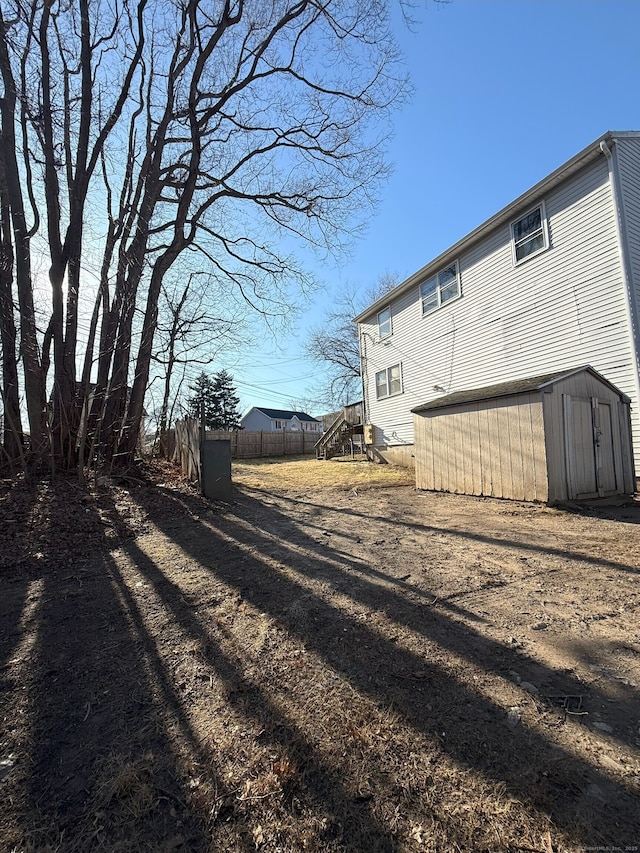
509	389
285	414
507	214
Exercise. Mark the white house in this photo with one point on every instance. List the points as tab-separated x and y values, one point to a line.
272	420
550	283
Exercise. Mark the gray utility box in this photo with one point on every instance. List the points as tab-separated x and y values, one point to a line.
215	458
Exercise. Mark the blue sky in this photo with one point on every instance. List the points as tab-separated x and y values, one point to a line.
504	92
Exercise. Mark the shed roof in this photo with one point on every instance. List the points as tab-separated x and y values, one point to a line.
509	389
285	414
520	204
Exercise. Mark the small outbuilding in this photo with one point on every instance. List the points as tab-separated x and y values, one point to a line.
559	437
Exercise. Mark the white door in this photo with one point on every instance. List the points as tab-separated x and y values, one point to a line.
589	445
603	438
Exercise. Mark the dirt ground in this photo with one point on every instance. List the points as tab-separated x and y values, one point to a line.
353	667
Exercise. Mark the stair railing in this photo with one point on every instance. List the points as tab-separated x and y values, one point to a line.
331	433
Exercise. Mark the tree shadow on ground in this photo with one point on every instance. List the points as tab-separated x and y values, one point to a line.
119	759
94	765
258	551
112	759
320	787
101	753
631	568
15	596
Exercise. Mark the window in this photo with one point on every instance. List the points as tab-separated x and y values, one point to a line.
384	323
529	234
389	382
440	289
280	424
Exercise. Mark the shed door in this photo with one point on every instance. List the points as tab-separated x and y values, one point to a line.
589	447
603	437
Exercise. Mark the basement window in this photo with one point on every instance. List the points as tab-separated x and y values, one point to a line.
529	235
389	382
440	289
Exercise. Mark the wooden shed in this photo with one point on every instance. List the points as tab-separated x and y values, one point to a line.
559	437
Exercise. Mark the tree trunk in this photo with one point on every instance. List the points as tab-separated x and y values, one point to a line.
12	438
33	377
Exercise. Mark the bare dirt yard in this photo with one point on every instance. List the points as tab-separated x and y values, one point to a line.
332	662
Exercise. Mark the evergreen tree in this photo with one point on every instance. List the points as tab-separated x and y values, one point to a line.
219	398
203	392
225	402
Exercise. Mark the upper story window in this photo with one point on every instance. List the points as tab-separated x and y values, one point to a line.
440	289
384	323
389	382
529	234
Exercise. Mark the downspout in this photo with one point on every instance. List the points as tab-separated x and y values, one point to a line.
363	361
625	263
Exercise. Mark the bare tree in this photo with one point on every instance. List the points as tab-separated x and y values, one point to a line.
333	344
154	136
188	334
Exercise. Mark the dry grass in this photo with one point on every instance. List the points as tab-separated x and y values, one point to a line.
304	472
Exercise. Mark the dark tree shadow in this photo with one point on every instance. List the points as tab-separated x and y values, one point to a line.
632	568
476	735
113	747
320	786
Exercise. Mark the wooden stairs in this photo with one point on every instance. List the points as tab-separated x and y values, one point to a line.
337	438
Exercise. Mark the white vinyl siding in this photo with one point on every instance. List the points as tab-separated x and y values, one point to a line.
627	151
562	311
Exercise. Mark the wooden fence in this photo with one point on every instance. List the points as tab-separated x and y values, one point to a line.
187	447
244	444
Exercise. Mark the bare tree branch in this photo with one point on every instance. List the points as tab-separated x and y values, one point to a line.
333	344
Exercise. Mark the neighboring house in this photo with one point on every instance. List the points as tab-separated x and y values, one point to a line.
271	420
550	282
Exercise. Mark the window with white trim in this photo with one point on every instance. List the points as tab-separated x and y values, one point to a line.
529	235
389	382
280	424
384	323
440	288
